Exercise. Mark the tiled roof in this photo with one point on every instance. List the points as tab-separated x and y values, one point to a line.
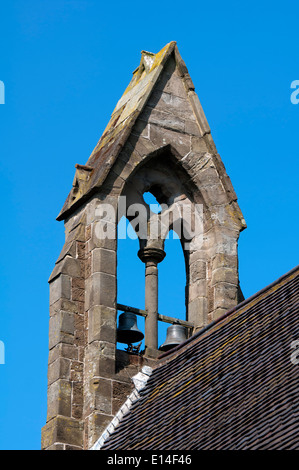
232	386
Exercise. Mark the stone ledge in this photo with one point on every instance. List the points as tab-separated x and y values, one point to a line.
62	430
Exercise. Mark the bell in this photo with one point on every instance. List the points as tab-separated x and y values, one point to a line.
176	334
127	331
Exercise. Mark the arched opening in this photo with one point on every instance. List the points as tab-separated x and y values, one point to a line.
130	273
172	284
158	192
152	202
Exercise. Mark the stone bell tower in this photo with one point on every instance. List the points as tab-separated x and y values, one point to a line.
157	140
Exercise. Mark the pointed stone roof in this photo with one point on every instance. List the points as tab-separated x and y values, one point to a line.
88	178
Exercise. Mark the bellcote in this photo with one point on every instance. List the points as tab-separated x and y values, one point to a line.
157	140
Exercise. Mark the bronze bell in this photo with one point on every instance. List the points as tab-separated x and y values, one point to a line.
127	331
176	334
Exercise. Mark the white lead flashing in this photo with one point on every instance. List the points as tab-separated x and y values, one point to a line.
141	378
139	381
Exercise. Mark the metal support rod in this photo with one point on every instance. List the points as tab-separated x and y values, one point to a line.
163	318
126	308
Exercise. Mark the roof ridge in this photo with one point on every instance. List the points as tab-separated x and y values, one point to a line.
229	312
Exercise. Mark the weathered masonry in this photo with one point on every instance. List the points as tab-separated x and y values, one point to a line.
158	141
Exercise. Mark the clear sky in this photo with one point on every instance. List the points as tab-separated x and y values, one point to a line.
65	64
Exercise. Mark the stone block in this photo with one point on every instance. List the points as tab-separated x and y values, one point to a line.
163	119
222	260
121	390
198	145
103	235
77	400
120	393
141	148
104	261
210	298
171	103
80	330
210	143
224	275
62	430
106	366
67	447
78	282
61	328
197	289
226	243
67	351
213	194
198	270
191	127
99	359
68	249
226	296
63	304
218	312
59	399
199	113
163	137
123	167
76	372
92	212
171	83
81	250
77	411
101	290
60	288
67	265
87	232
97	425
141	128
57	447
75	226
59	369
128	155
102	390
197	312
197	256
78	294
208	175
102	324
113	184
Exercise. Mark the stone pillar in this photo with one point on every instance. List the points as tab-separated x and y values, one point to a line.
151	257
64	427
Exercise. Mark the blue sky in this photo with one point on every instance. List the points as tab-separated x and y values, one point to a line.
65	64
